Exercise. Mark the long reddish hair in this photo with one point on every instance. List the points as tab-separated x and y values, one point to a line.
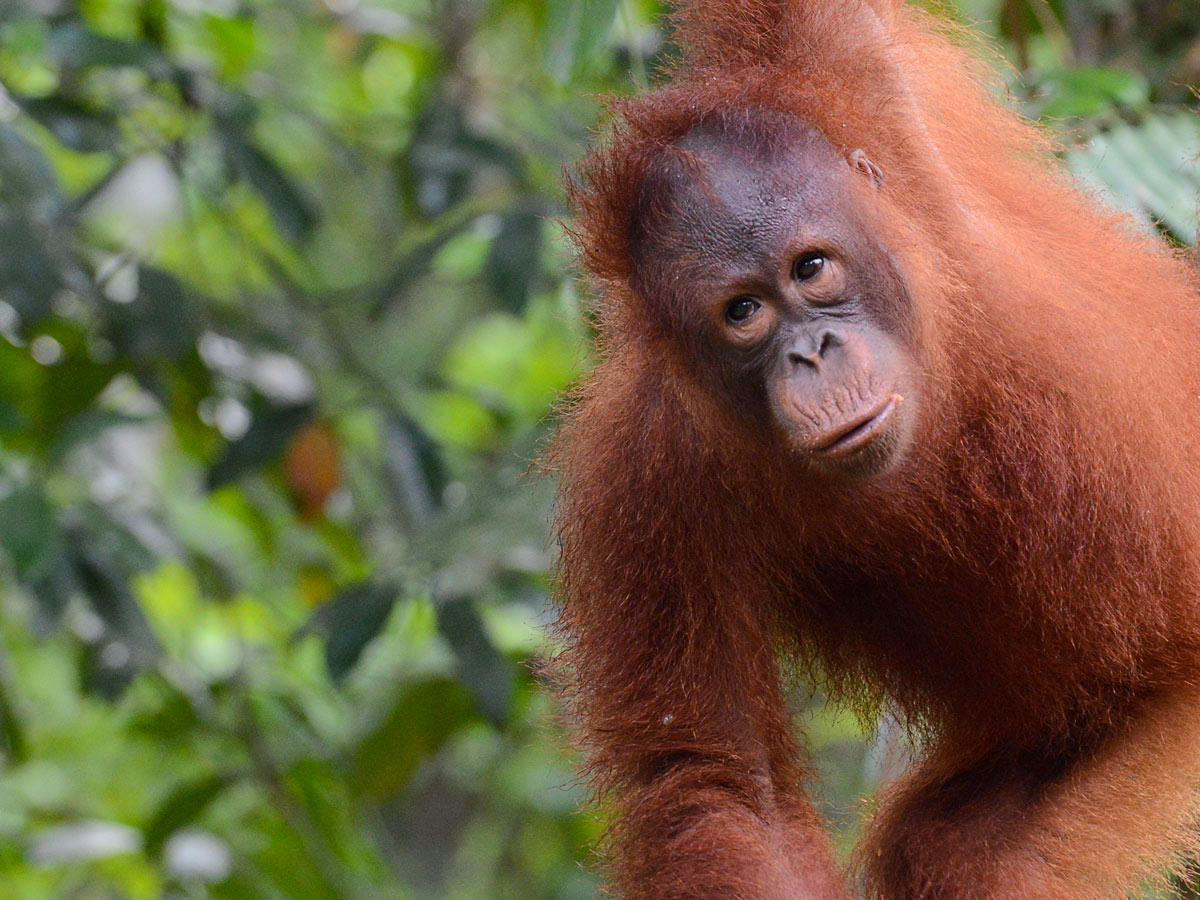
1055	482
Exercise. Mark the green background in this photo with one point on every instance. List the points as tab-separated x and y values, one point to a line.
285	306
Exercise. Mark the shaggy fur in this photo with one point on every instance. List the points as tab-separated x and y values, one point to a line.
1024	586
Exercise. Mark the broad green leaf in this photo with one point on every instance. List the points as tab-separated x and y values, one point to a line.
350	621
158	324
1147	169
415	466
24	170
29	530
293	212
457	420
182	806
481	667
574	32
512	269
422	719
1082	92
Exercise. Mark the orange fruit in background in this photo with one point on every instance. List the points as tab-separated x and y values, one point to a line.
312	465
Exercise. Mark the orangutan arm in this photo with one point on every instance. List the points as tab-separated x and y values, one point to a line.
688	733
1024	827
669	667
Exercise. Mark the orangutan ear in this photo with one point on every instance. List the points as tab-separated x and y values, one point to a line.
858	160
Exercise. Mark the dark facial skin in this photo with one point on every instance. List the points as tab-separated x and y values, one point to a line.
756	238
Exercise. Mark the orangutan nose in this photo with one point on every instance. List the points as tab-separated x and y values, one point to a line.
812	350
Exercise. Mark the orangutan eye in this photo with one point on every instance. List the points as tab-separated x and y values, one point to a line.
741	308
808	266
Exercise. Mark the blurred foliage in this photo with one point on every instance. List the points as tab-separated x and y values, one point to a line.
283	310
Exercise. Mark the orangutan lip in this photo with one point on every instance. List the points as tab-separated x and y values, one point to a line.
855	435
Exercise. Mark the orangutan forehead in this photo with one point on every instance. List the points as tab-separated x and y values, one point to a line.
731	183
757	136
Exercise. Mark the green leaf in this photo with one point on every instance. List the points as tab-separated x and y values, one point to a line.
56	587
415	464
486	672
350	621
159	324
28	530
1147	169
418	725
512	267
104	555
182	806
294	214
414	264
66	390
35	251
108	590
26	172
1082	92
12	735
574	32
87	426
445	156
28	272
73	44
73	124
594	28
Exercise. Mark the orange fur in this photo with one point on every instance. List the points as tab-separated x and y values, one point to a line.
1023	587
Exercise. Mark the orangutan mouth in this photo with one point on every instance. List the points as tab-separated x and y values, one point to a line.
857	433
